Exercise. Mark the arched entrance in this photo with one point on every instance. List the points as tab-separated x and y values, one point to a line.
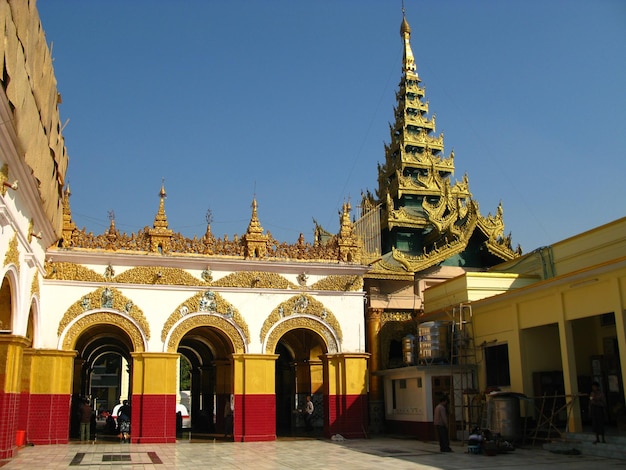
299	372
206	387
102	373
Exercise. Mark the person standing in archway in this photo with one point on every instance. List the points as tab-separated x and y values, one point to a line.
308	414
85	412
123	419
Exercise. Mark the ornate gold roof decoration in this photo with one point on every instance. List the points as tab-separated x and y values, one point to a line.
255	243
349	243
68	224
160	235
426	219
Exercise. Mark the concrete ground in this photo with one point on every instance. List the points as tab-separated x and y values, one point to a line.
292	453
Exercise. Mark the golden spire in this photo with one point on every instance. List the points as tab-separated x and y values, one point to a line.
255	242
68	224
408	61
160	220
160	235
254	226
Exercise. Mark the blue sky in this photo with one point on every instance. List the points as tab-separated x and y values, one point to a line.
290	100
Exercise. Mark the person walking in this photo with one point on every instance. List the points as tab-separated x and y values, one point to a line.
441	424
85	411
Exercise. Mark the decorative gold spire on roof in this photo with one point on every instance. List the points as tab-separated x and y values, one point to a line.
254	241
349	244
160	220
408	61
426	218
160	235
68	224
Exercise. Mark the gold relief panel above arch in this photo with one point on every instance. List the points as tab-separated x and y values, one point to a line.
69	336
302	304
63	271
255	279
206	302
105	298
307	322
213	320
157	275
340	283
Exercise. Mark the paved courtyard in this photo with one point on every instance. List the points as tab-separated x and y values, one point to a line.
377	453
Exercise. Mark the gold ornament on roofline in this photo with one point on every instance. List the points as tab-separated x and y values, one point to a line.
256	243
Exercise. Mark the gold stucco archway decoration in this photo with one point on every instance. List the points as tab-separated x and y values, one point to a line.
301	304
213	320
255	279
158	275
307	322
339	283
103	318
206	302
71	272
105	298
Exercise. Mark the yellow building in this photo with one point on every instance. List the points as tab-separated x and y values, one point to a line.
558	326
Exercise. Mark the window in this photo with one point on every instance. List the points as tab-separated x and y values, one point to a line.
497	365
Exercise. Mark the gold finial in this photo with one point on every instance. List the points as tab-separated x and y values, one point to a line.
408	61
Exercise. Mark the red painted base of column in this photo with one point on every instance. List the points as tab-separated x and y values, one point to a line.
48	419
255	418
153	419
346	415
9	404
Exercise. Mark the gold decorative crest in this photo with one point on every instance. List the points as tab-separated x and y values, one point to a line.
210	302
301	304
105	297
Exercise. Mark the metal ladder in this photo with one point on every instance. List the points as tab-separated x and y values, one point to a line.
463	363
